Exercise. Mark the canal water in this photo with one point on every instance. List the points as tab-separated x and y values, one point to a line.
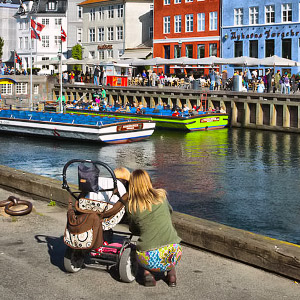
242	178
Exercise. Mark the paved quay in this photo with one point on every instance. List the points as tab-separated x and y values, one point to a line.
31	259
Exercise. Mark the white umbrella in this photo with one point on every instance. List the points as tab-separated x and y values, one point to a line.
153	62
210	61
73	61
278	61
241	61
47	62
182	61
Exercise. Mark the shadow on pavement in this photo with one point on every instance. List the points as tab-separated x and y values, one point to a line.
56	249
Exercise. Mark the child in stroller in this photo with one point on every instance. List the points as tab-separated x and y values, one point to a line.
105	203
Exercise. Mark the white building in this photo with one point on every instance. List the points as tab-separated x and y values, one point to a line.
75	25
111	26
50	13
8	28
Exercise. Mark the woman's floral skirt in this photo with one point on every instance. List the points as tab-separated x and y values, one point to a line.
160	259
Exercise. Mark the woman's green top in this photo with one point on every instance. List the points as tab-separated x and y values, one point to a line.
155	228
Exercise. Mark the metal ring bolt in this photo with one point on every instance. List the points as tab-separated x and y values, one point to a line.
14	201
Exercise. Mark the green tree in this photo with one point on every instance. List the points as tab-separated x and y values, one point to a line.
77	54
1	46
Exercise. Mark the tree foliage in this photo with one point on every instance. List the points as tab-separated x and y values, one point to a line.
1	46
77	54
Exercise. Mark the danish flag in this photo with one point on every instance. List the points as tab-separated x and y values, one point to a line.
63	34
36	29
18	59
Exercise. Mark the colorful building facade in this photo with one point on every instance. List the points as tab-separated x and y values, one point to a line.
261	29
188	28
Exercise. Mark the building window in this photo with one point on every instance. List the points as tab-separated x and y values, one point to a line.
58	21
110	33
177	1
177	51
238	16
110	53
101	34
92	54
20	43
270	14
151	32
45	66
287	48
92	34
253	15
79	35
26	25
200	51
45	41
269	48
45	21
120	11
119	33
189	51
166	24
238	48
213	20
201	22
213	49
189	23
177	24
21	88
101	13
6	89
253	48
110	11
51	5
79	12
35	89
93	14
57	39
188	0
120	53
166	2
21	25
151	10
26	42
286	12
101	54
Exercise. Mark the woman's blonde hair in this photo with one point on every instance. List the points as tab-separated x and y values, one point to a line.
141	192
122	173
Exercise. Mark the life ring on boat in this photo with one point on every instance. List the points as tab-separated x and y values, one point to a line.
14	201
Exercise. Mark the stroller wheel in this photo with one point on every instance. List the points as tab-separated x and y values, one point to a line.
73	260
127	265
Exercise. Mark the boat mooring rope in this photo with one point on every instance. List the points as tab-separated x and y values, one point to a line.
14	201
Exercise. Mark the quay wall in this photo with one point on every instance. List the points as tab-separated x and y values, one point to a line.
267	111
270	254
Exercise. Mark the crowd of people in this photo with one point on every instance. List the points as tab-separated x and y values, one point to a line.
5	70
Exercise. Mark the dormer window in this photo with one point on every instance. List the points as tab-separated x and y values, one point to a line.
52	5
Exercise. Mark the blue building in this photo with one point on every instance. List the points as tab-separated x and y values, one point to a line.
261	29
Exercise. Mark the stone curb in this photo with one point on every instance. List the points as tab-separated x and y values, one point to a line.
254	249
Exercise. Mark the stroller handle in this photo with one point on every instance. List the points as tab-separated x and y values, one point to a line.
95	162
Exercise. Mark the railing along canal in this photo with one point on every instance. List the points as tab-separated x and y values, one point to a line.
269	111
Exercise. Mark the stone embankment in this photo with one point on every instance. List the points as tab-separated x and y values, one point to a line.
257	250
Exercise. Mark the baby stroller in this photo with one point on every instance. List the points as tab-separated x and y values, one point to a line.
105	194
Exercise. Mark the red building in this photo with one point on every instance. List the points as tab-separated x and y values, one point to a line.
188	28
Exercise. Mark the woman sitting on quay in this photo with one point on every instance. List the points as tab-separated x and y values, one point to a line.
149	213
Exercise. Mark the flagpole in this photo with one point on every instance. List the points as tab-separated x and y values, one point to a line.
61	102
30	103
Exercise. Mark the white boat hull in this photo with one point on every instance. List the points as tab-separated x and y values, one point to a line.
113	133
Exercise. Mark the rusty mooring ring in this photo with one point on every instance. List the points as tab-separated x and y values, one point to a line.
13	201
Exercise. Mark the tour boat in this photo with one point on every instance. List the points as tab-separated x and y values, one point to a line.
73	126
210	120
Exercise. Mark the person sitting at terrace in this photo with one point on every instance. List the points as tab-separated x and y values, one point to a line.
261	87
140	109
185	110
176	113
